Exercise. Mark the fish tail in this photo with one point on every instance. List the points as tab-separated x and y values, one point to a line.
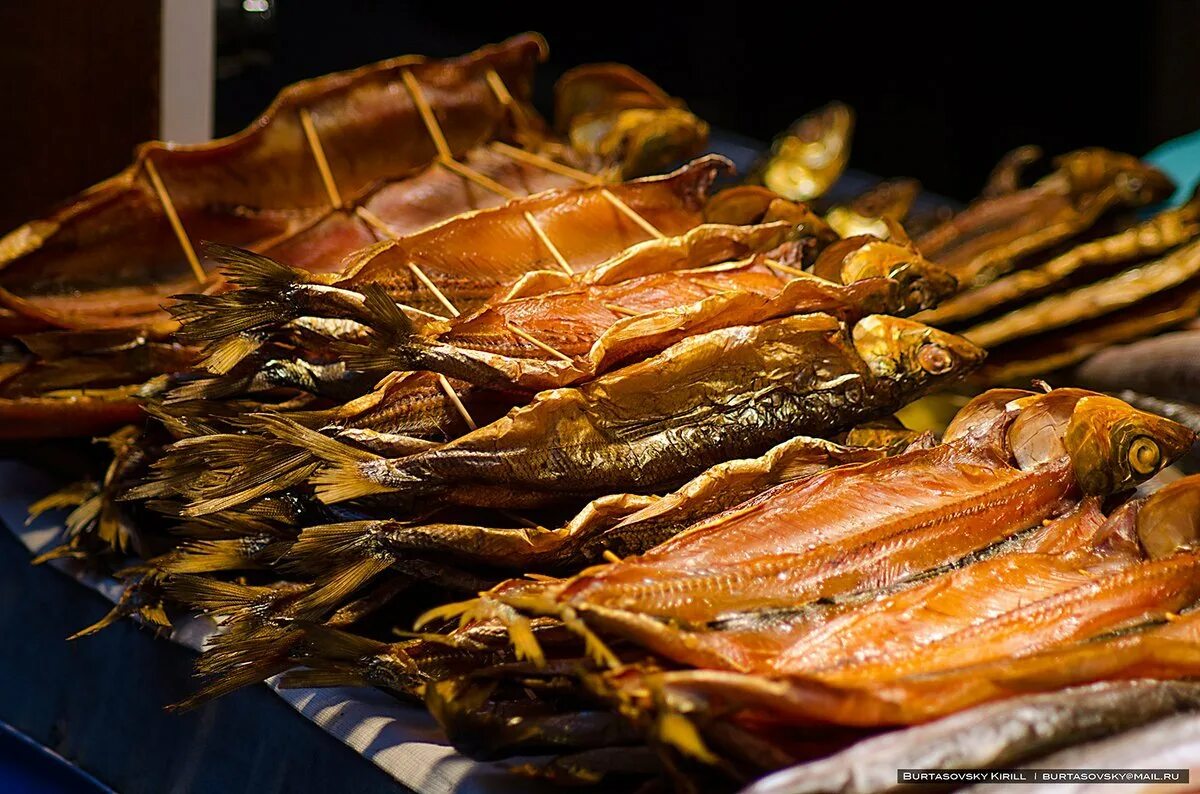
224	354
142	598
226	554
316	547
341	482
332	657
240	658
216	596
394	344
275	468
264	297
334	589
73	495
214	388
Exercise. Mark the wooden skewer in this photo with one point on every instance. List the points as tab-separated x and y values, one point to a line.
506	98
484	181
558	257
781	268
376	223
458	405
314	143
429	285
164	198
404	307
628	212
611	556
713	285
533	340
431	124
612	307
545	163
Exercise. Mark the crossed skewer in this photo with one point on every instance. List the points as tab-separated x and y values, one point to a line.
445	158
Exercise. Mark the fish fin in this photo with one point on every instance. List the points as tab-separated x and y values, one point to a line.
224	354
384	315
262	300
249	270
342	482
676	730
338	675
319	444
229	554
332	590
240	658
316	547
72	495
214	595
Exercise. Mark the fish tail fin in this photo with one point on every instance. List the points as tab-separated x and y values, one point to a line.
224	554
143	598
332	657
222	355
384	315
263	297
219	597
334	589
341	482
239	658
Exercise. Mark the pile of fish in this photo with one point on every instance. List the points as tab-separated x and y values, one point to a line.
1053	272
334	166
598	463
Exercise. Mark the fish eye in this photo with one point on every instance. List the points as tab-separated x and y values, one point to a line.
935	359
1144	455
1130	183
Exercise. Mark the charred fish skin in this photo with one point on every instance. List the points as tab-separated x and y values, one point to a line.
995	735
727	394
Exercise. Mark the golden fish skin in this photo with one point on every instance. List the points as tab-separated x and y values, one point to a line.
863	527
733	392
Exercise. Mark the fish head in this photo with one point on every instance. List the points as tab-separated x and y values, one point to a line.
1114	447
904	350
923	284
1137	182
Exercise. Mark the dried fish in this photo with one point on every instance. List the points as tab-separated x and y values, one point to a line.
1153	237
727	393
993	236
810	156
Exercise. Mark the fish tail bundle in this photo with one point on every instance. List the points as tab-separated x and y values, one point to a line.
243	656
332	657
348	555
266	296
225	554
261	298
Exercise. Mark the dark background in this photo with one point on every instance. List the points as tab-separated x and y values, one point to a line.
939	95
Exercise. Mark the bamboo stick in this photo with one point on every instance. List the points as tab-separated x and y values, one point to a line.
164	198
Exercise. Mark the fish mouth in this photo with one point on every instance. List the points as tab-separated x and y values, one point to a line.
1114	446
895	347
